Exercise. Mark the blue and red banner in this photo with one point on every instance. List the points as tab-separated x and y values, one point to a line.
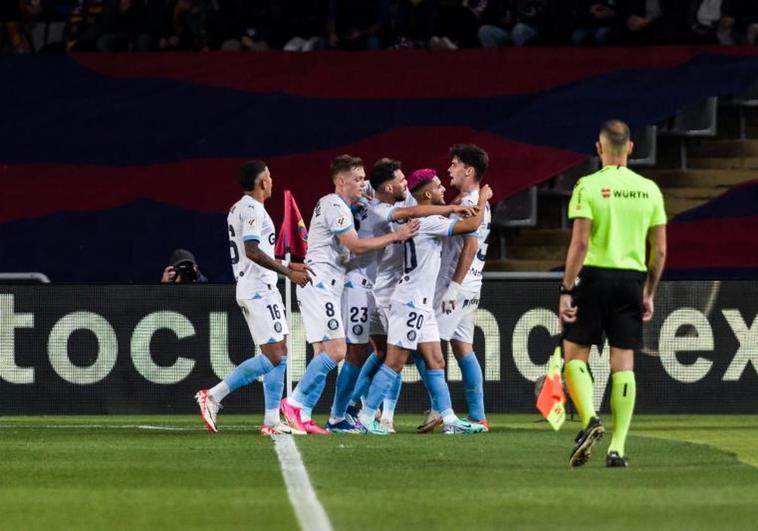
108	162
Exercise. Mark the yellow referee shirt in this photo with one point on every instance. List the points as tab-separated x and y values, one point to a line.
622	206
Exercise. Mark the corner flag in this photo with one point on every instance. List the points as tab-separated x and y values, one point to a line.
551	399
293	236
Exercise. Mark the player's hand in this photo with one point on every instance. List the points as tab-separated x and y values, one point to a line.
300	274
647	307
566	309
408	230
486	192
465	211
450	297
169	275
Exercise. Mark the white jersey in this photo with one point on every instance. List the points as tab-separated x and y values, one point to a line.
367	225
421	262
451	250
331	217
389	267
249	221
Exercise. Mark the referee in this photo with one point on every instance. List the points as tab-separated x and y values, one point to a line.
608	287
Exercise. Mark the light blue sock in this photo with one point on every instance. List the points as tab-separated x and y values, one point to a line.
439	390
311	385
273	385
418	359
367	373
345	385
473	384
380	386
248	371
390	401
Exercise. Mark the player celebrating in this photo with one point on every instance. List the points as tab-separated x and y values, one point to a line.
412	323
252	231
460	282
607	287
374	218
332	236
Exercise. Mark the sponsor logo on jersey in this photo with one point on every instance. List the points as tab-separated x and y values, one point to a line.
278	327
333	324
606	193
252	222
357	330
411	335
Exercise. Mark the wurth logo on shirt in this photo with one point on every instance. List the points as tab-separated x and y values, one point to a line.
631	194
606	192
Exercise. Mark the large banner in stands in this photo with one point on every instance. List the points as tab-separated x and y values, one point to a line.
148	349
127	143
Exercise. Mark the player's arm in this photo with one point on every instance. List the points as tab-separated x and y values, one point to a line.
471	224
298	274
359	246
422	211
577	252
656	237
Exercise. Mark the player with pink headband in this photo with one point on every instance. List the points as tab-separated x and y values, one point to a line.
412	322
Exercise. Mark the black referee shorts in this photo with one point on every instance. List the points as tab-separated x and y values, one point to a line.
609	304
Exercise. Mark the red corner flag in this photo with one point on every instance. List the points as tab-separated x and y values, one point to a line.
293	236
551	399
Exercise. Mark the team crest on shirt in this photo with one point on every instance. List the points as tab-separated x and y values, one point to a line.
411	335
357	330
606	193
278	327
333	324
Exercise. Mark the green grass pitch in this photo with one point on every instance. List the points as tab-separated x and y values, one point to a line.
119	472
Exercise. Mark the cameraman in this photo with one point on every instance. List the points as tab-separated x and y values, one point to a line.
182	268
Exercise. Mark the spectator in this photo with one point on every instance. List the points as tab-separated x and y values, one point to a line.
239	25
182	269
593	21
121	27
520	22
648	22
358	24
739	22
83	29
417	22
299	25
184	26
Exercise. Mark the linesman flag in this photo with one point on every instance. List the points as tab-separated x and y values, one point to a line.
293	236
551	400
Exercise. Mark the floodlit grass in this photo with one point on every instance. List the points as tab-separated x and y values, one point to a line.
117	472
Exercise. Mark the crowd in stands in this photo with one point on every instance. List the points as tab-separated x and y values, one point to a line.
304	25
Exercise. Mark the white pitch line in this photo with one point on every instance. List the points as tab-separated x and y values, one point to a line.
308	510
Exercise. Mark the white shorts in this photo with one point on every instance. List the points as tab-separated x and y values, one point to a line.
265	317
378	321
459	323
410	326
357	307
321	309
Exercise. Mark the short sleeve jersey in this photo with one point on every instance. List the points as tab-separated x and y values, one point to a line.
389	267
249	221
371	219
622	206
451	250
421	262
331	217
